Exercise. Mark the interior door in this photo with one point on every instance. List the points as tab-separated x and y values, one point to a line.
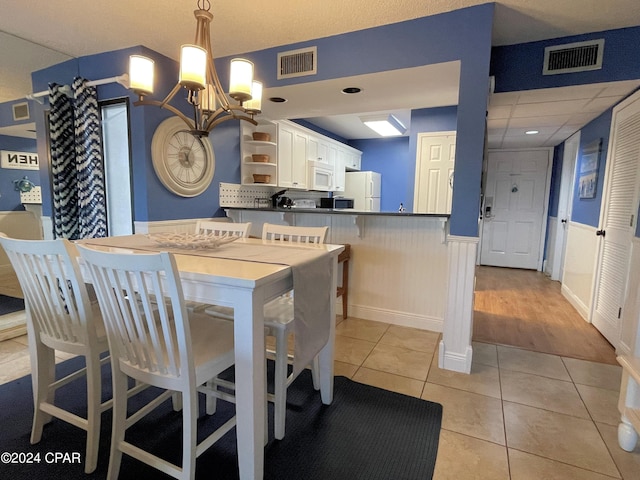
435	162
617	219
515	204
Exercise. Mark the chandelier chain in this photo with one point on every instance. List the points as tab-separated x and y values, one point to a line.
203	3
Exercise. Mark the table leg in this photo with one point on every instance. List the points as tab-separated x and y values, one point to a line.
250	383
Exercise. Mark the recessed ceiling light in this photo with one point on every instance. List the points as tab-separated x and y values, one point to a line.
351	90
277	99
531	132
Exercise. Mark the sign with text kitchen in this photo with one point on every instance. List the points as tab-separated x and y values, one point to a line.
19	160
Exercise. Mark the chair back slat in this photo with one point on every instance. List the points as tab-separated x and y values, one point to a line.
149	335
286	233
56	298
222	229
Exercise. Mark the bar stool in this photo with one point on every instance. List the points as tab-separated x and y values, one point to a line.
343	289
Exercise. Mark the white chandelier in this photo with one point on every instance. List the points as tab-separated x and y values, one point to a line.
199	77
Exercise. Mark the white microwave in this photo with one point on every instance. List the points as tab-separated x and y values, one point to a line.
320	176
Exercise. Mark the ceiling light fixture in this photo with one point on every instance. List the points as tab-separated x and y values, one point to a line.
384	125
531	132
199	77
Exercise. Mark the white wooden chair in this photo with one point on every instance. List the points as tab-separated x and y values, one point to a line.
223	228
159	344
60	316
279	319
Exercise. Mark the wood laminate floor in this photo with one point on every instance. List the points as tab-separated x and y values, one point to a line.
524	308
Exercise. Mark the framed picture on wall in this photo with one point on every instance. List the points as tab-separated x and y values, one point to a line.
589	161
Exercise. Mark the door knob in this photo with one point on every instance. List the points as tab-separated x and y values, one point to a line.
564	220
600	233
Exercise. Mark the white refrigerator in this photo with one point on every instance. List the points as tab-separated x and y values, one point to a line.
364	188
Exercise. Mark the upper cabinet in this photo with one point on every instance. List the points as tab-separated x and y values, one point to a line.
352	159
259	154
292	156
295	157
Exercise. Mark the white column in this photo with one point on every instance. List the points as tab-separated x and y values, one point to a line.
455	347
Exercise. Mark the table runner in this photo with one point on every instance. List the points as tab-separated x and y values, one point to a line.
311	270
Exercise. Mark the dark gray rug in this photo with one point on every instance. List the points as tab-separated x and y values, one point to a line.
10	304
366	434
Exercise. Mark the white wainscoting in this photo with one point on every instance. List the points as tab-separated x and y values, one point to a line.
629	331
18	224
579	267
456	351
174	226
398	271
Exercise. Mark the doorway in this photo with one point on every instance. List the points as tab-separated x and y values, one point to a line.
516	199
435	162
117	166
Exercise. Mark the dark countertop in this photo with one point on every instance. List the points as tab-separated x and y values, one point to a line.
339	211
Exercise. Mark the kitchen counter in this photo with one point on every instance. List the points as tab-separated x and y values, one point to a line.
339	211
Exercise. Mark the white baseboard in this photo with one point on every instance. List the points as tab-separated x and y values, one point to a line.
392	317
581	308
455	361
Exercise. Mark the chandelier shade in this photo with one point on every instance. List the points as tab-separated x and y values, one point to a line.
141	74
198	76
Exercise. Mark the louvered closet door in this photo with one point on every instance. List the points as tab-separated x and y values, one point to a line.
617	219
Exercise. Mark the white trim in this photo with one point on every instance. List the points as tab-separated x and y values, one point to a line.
393	317
456	352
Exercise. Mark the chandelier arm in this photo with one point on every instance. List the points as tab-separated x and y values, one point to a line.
217	121
221	114
169	107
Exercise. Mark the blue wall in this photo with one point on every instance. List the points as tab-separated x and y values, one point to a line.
462	35
9	196
587	210
519	67
395	158
389	157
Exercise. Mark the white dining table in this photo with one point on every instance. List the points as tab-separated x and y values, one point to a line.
246	286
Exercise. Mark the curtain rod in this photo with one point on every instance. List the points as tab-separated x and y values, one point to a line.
66	89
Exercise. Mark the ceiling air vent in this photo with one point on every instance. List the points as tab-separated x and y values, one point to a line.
573	57
20	111
297	63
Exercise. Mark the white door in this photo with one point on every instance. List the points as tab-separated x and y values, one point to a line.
617	219
435	162
515	205
564	204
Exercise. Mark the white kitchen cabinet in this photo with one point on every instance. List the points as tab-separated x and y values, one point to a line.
339	167
249	147
292	157
352	159
318	149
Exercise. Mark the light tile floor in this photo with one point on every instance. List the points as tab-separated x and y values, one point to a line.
519	415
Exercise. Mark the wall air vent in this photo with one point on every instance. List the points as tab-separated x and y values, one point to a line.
20	111
297	63
573	57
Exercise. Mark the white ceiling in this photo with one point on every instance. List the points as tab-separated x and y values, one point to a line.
36	34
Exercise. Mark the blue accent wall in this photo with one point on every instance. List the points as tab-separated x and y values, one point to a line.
390	158
9	196
519	67
461	35
556	177
587	210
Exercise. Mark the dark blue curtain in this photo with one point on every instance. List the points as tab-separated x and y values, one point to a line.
92	207
77	169
63	164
